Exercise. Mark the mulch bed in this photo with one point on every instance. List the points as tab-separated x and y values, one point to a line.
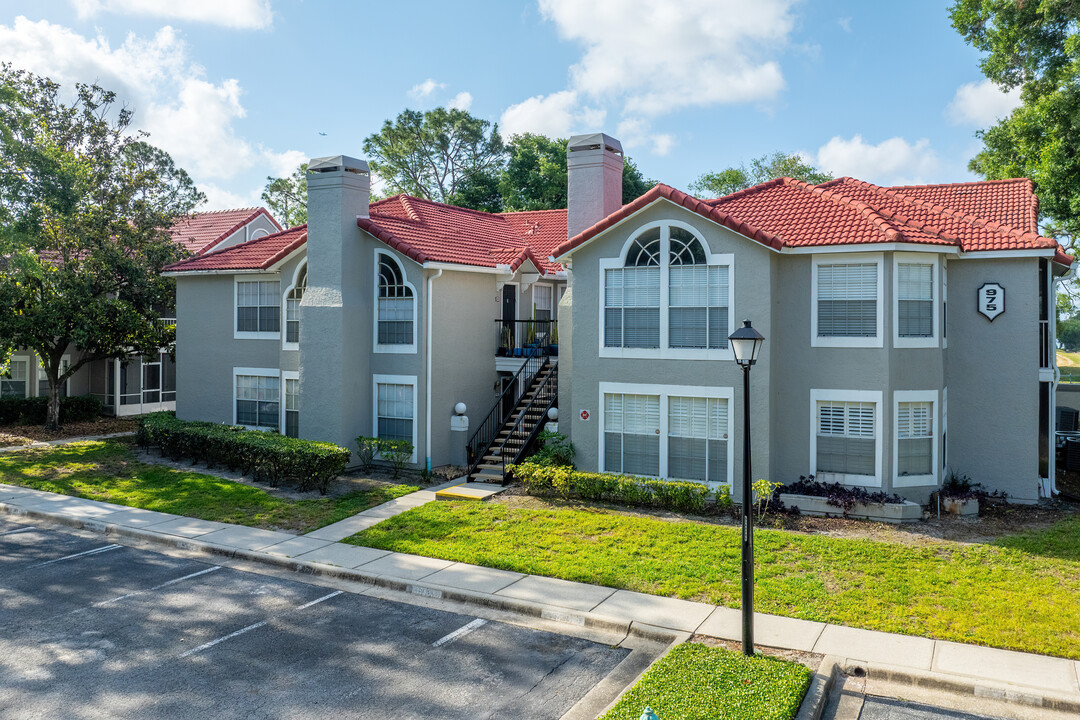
25	434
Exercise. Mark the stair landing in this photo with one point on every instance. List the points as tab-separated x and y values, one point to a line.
469	491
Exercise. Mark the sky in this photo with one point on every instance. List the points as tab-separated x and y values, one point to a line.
238	90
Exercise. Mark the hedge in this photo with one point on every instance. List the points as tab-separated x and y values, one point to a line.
566	482
35	410
265	456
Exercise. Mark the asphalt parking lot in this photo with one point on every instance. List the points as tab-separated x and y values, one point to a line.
92	629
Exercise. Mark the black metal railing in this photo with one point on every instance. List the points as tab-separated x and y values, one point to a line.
530	420
1045	351
504	405
527	338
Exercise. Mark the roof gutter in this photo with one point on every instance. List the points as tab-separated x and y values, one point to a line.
427	385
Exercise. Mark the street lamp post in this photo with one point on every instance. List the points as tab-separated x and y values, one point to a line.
746	344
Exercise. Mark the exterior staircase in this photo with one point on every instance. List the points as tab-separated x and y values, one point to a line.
519	429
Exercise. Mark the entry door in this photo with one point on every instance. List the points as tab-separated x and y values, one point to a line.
509	310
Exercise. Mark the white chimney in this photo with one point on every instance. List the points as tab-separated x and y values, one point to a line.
594	168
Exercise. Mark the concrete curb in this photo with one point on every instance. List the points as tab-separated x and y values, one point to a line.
528	608
964	686
817	695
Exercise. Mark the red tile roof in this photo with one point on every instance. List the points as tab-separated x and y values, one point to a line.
787	213
259	254
200	232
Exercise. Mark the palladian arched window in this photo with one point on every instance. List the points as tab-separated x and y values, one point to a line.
666	261
292	308
396	304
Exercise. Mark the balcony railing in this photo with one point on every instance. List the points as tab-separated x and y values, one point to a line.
1046	351
527	338
167	322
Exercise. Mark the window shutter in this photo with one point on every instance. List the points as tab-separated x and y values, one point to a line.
847	300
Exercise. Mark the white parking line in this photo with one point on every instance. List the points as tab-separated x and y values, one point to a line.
255	626
18	530
460	632
156	587
95	551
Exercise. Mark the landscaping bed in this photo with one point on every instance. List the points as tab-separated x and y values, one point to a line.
110	471
26	434
697	682
1019	593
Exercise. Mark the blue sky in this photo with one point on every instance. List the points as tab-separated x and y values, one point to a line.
240	89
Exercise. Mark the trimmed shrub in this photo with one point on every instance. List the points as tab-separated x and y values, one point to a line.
35	410
265	456
567	483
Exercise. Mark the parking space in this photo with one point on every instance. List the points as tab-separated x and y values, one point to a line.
93	629
878	708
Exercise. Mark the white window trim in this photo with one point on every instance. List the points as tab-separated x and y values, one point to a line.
377	380
945	303
866	396
41	373
285	375
28	361
399	349
552	309
285	344
237	335
259	372
847	342
935	294
944	431
930	396
665	352
665	392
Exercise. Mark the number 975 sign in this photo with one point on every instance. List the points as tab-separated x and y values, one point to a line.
991	300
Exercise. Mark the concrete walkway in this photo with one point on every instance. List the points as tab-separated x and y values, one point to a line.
1021	677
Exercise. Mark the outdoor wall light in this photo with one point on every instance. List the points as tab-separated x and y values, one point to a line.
746	344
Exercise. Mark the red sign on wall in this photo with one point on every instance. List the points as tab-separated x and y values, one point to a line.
585	415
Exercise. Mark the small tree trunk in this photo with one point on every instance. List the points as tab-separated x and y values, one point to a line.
52	418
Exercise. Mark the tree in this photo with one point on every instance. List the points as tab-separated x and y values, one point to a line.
287	197
431	154
1034	46
761	169
1068	334
85	208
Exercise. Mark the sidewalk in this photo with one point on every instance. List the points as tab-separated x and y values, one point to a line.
987	672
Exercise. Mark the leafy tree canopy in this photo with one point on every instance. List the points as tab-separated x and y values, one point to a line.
431	154
1033	45
761	169
286	197
85	208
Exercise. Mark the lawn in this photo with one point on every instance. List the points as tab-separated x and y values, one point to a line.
109	471
696	682
1020	594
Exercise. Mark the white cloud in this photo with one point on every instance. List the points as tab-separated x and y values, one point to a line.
187	115
662	143
284	163
461	101
218	198
844	23
559	114
891	162
658	56
981	104
637	132
241	14
422	90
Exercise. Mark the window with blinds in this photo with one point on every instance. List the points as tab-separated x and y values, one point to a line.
13	383
914	438
258	400
292	407
632	434
847	300
846	438
396	305
395	411
698	313
632	307
697	439
915	300
292	308
541	302
258	306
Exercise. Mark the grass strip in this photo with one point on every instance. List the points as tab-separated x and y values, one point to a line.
697	682
1020	595
109	471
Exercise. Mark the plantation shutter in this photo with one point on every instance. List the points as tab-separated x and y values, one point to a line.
915	298
914	432
697	438
847	300
846	440
631	434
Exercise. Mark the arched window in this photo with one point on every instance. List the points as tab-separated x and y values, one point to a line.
292	308
396	304
667	260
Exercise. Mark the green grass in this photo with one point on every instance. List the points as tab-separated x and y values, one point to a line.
696	682
109	471
1021	594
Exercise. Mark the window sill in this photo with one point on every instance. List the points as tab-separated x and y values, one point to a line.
238	335
915	481
396	349
915	342
846	342
666	353
849	479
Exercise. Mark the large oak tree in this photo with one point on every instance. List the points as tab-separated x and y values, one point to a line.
85	208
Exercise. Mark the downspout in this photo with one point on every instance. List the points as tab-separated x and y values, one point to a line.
427	352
